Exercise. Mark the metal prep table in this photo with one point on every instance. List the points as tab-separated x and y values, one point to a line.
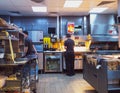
102	72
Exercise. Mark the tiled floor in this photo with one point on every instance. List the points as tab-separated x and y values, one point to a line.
60	83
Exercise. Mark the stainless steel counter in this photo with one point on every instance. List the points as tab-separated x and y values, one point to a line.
54	51
102	72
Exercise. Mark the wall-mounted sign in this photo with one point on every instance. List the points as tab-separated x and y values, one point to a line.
70	27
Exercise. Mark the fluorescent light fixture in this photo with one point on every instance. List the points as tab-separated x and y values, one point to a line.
39	9
72	3
98	10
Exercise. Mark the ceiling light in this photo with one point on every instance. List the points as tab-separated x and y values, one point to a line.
98	10
39	9
72	3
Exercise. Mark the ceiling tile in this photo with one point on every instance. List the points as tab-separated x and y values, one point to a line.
5	2
20	2
24	7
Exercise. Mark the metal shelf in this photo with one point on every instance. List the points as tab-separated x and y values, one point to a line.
114	87
10	88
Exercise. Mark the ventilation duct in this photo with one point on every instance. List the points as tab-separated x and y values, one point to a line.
37	1
53	12
14	12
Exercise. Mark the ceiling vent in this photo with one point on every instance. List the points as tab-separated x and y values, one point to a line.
53	12
37	1
14	12
105	2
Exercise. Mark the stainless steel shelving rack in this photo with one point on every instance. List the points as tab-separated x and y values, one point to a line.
20	70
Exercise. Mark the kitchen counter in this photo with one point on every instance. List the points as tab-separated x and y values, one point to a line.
76	50
53	51
51	65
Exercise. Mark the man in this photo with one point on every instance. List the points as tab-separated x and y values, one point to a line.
30	50
29	47
69	55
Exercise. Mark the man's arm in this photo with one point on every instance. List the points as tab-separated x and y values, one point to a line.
65	45
35	49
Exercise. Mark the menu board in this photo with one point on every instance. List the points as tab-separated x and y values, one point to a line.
70	27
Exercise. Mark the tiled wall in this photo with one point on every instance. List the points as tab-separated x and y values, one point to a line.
42	23
35	23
